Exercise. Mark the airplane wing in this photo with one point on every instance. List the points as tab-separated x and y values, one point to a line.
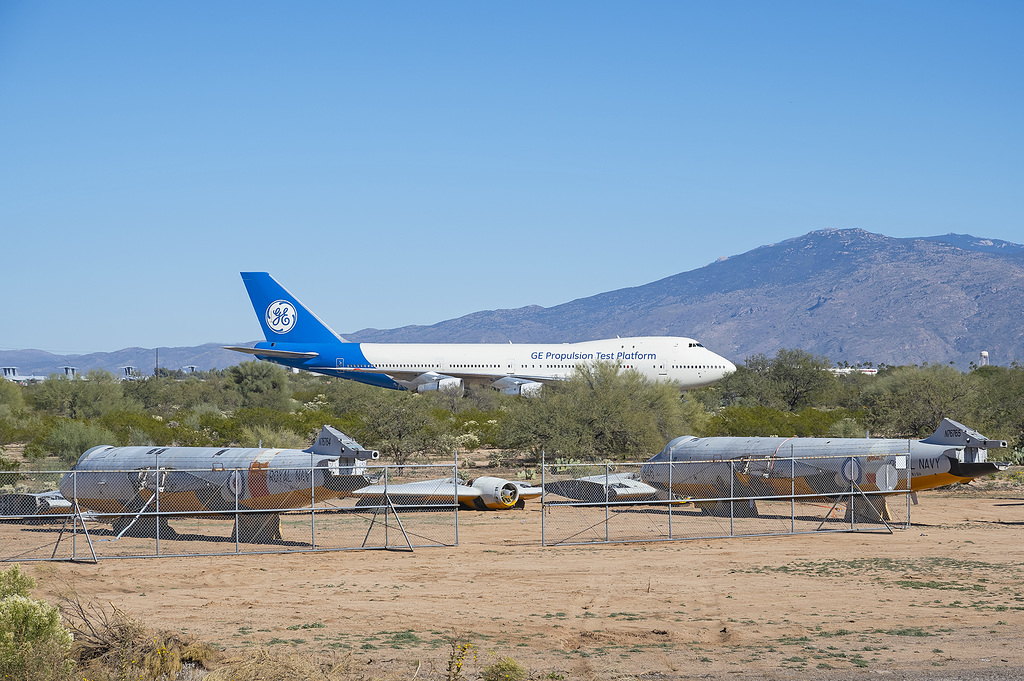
599	488
19	505
481	493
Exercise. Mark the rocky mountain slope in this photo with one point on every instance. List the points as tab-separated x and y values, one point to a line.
848	294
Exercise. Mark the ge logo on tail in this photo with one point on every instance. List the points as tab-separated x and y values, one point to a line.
281	316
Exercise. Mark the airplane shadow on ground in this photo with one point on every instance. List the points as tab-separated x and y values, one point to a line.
105	534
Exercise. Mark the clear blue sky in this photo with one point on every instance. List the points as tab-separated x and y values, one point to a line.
403	163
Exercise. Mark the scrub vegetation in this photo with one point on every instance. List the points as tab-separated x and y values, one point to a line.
599	413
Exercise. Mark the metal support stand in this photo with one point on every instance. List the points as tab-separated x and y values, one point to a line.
388	505
867	500
75	518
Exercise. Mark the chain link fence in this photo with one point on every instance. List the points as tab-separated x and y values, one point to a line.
92	515
662	501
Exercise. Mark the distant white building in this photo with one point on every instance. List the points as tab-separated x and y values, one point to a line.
11	374
846	371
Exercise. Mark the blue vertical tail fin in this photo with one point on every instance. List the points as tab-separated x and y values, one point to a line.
283	318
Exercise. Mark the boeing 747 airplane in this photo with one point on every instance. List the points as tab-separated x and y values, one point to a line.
297	338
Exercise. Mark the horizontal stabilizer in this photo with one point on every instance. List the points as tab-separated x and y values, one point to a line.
976	470
266	352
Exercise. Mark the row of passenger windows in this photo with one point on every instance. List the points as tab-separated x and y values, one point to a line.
498	366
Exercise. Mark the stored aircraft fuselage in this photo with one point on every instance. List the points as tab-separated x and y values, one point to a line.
741	466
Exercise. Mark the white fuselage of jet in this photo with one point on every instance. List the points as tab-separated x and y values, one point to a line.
659	358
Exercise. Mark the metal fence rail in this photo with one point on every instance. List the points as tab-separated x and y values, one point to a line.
663	501
156	513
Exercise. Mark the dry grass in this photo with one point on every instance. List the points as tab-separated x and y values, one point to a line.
264	665
110	644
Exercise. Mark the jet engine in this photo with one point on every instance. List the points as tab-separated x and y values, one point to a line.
495	493
510	385
530	389
442	384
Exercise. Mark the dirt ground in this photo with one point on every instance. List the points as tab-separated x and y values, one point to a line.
943	599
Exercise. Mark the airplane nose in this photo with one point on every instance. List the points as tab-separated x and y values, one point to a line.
727	366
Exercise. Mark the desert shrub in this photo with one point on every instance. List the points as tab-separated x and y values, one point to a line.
505	669
8	470
33	642
68	438
759	421
468	442
14	582
135	428
601	411
846	427
261	384
268	436
501	458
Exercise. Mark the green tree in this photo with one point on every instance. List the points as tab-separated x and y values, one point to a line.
137	428
999	403
13	412
11	397
799	377
69	439
601	411
791	380
261	384
749	385
397	424
759	421
91	396
911	401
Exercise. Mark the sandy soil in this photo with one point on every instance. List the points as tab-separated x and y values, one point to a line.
941	600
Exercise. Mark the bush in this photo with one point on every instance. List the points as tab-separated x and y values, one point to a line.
501	458
34	644
268	436
134	428
70	439
14	582
505	669
8	470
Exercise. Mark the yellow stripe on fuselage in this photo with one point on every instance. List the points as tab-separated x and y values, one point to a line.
922	482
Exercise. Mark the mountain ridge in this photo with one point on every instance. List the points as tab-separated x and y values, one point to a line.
849	294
